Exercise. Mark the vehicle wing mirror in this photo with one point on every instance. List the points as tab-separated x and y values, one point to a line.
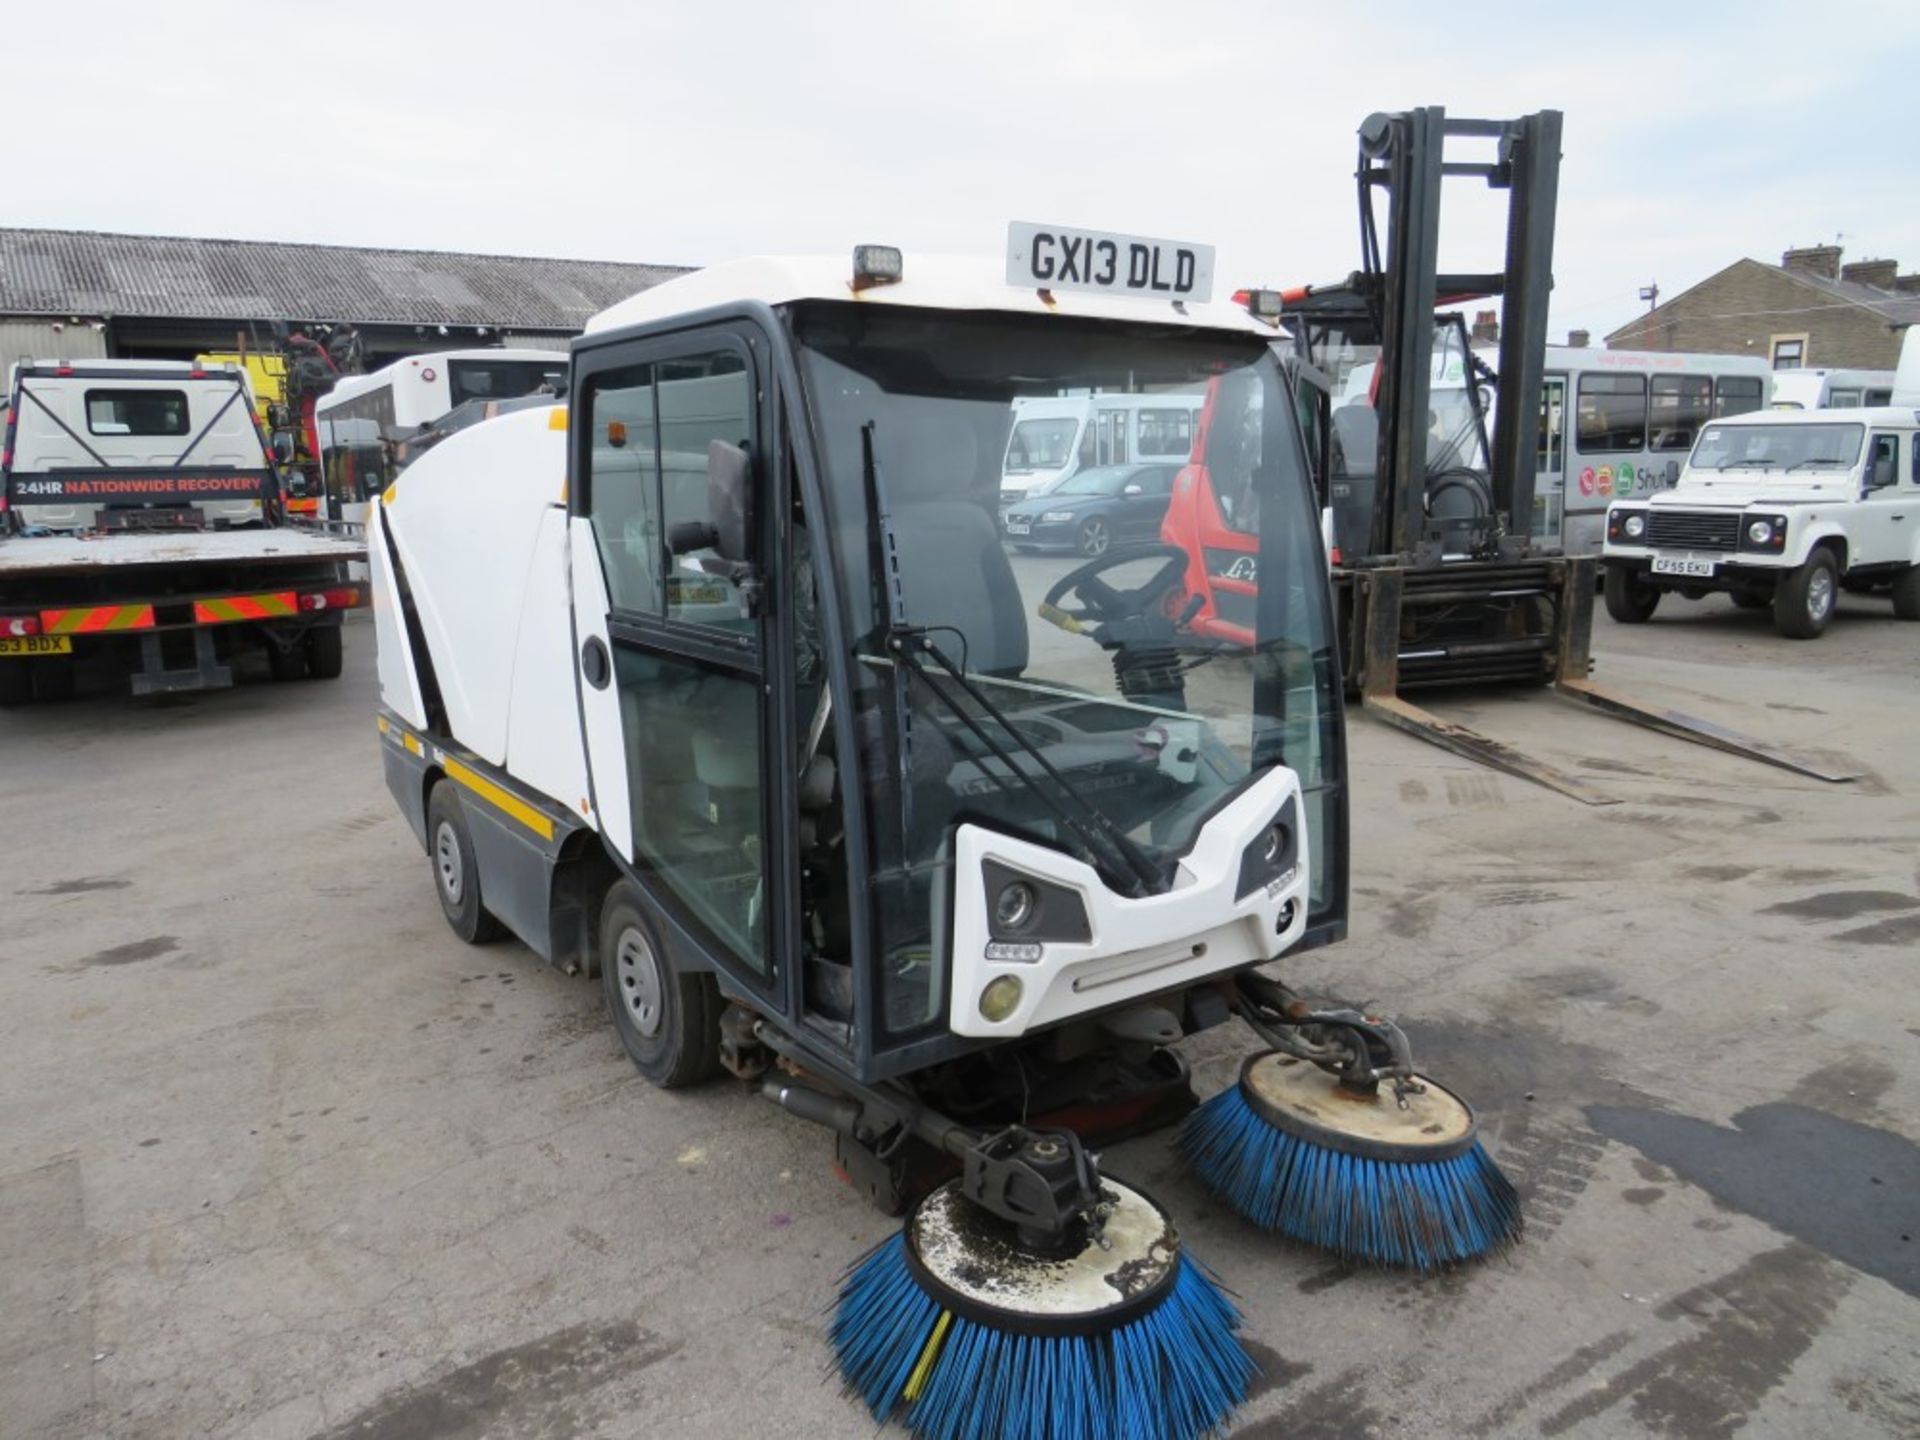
283	449
1133	490
729	495
1882	474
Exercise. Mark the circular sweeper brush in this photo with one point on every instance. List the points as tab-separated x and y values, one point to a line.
956	1327
1391	1175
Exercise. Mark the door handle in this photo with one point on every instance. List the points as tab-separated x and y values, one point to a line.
595	663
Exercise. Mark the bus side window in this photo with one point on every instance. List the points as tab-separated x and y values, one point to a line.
1681	405
1737	395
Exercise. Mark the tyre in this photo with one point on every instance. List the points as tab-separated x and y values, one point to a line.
668	1022
1803	601
16	682
1906	593
326	651
1630	600
1751	599
288	664
53	679
1096	535
456	871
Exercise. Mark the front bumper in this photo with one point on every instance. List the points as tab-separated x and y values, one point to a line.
1136	947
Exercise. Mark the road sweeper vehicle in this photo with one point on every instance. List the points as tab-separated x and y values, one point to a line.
719	680
142	521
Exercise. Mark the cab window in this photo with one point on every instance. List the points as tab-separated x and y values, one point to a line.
137	412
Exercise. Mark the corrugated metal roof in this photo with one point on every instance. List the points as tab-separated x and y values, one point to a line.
88	273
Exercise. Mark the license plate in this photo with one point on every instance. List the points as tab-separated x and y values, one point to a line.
1018	527
1057	257
36	645
1683	565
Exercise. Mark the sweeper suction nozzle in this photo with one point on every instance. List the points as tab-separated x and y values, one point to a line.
958	1328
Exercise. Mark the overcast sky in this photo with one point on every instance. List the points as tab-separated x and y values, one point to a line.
697	132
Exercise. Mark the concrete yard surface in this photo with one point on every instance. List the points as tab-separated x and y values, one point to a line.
281	1158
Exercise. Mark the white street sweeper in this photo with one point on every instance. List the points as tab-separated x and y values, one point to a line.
718	680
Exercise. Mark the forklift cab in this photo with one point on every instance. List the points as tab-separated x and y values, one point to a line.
909	793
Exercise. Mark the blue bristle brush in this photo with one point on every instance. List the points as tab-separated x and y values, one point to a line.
1357	1174
953	1329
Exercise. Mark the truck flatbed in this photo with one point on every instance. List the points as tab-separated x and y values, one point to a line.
72	554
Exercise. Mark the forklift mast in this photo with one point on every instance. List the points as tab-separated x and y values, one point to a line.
1404	155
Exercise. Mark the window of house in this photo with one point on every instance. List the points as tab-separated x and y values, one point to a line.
1612	413
137	412
1789	352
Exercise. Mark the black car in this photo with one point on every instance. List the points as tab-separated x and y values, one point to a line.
1092	510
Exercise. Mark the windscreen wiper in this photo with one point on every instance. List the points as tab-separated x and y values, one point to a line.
1102	837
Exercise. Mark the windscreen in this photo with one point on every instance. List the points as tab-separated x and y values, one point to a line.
1107	683
1778	447
1040	445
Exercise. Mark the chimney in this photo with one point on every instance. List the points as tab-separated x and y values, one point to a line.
1486	328
1821	260
1877	273
1579	339
1906	284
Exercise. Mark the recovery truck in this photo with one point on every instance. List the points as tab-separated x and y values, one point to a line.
1438	580
142	521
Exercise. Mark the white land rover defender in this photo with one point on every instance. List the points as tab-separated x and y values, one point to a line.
1779	508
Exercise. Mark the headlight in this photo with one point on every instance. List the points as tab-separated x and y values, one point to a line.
1634	526
1760	532
1055	517
1001	997
1013	906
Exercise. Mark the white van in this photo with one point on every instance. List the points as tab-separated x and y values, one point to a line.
1054	436
1831	389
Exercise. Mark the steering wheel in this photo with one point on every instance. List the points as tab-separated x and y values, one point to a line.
1101	604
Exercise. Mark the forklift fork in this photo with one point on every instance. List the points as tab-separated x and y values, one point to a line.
1380	597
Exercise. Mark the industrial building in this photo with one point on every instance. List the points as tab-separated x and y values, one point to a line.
69	294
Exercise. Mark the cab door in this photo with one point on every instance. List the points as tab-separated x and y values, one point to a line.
669	663
1888	515
1550	466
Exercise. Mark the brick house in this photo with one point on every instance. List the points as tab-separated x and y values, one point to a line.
1809	310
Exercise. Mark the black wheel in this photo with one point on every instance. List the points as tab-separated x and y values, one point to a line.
1752	599
1804	599
1906	593
16	682
456	871
1630	600
326	651
669	1022
289	664
53	679
1095	536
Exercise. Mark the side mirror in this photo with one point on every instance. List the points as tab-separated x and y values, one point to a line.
1882	474
1133	490
283	449
729	497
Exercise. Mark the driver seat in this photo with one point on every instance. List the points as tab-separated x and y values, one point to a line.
954	569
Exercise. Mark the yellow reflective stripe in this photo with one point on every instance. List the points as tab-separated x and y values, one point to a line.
380	721
492	793
557	418
917	1381
412	742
